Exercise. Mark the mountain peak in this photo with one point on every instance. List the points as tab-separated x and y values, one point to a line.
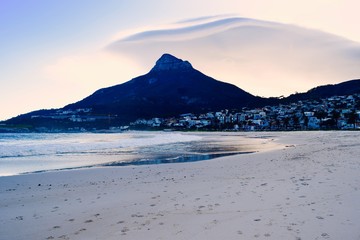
168	62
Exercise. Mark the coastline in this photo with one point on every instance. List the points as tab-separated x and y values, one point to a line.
35	153
302	185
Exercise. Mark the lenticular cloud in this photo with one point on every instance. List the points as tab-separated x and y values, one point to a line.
264	58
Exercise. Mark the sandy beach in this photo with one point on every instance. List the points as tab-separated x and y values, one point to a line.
301	185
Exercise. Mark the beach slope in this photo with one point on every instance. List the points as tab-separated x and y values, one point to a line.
305	185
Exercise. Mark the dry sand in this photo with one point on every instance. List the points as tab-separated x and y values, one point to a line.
307	187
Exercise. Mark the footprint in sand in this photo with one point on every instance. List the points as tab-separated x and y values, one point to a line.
325	235
125	230
56	208
79	231
64	237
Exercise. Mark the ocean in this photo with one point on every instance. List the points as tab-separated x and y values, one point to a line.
36	152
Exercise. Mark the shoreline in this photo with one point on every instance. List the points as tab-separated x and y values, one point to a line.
301	186
142	162
57	153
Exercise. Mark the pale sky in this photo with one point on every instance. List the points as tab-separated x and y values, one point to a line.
53	53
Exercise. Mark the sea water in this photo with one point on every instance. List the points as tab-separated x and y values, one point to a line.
34	152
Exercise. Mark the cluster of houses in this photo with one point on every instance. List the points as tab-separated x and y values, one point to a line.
77	115
337	112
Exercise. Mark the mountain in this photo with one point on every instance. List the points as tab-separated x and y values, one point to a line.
172	87
344	88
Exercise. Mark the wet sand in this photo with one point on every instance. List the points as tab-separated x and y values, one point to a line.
300	185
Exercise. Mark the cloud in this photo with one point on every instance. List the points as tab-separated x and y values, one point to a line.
264	58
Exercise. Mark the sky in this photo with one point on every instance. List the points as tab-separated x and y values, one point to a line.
53	53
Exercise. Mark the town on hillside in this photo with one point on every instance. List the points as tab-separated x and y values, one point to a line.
337	112
333	113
